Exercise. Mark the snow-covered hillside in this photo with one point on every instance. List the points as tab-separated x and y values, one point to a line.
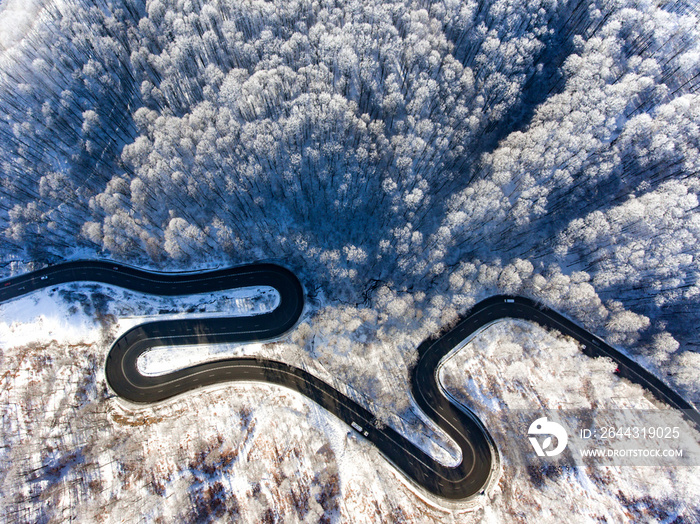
258	453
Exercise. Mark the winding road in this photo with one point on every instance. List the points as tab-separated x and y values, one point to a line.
479	455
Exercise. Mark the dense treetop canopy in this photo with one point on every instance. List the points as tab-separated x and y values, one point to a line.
552	146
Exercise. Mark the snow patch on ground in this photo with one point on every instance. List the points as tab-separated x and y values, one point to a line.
41	317
239	302
163	360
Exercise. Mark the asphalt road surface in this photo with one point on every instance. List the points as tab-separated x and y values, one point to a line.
479	456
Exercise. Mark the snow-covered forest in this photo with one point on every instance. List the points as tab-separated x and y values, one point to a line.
428	149
405	158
